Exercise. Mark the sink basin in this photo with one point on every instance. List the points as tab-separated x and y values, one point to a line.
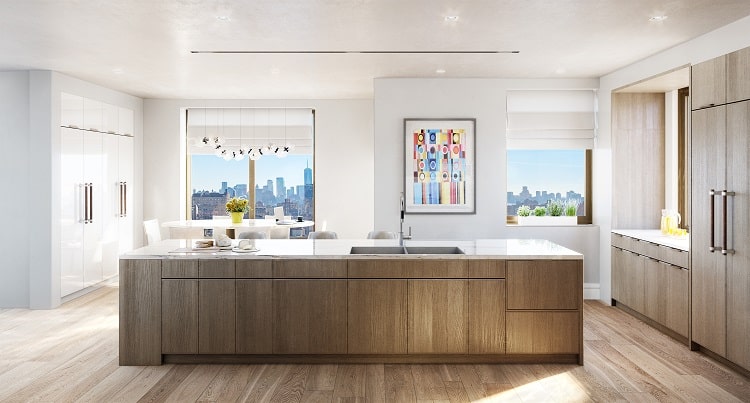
377	250
434	250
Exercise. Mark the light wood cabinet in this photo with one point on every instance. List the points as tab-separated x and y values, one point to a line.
179	325
738	263
618	272
216	316
708	268
708	83
632	286
543	332
254	316
438	316
666	295
487	316
738	75
309	316
551	281
377	312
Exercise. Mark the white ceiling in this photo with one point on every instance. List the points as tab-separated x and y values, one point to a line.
143	47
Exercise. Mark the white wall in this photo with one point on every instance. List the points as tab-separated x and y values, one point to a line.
724	40
35	271
343	168
14	181
483	99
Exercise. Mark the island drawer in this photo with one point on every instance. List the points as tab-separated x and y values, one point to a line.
309	268
179	268
407	268
543	332
216	268
486	268
254	268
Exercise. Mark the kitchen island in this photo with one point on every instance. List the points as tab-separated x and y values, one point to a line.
313	301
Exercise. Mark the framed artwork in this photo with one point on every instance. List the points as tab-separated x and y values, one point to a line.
439	165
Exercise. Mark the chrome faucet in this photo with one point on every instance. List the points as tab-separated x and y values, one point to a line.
401	236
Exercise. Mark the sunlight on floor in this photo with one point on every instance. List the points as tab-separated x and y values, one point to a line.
560	388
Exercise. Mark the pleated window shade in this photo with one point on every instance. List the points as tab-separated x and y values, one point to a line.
551	119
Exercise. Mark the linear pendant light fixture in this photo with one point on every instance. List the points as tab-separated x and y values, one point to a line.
372	52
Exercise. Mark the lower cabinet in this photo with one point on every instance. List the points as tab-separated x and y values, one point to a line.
486	316
254	317
666	294
377	316
438	316
179	323
216	316
309	316
543	332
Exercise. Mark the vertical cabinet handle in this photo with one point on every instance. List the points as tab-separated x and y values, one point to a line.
91	203
712	225
119	202
83	203
724	246
124	199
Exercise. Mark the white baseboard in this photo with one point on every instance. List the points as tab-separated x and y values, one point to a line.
591	291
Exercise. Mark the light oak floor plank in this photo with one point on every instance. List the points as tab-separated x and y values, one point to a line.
70	354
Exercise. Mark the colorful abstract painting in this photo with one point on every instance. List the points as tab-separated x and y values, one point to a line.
439	164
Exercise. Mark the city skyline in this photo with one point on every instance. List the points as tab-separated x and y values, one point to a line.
207	168
554	171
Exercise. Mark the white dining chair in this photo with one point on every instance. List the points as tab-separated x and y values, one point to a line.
322	235
279	232
153	232
382	235
252	235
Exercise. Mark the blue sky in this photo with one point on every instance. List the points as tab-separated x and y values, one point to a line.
209	171
551	170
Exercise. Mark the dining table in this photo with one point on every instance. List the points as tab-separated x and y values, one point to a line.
210	228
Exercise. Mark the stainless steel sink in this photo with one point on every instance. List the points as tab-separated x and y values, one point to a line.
377	250
434	250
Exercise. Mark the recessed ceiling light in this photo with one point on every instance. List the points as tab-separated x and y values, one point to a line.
658	18
440	71
451	18
222	17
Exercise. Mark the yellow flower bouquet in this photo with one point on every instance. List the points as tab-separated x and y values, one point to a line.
237	205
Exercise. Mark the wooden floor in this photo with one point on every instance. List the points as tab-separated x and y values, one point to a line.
70	354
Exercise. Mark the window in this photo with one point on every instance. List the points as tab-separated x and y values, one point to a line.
537	176
264	155
550	134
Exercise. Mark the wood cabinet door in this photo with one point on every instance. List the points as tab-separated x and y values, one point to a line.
254	317
655	287
179	316
708	83
738	264
708	161
544	332
633	289
618	271
438	316
216	311
486	317
309	316
545	284
676	288
377	316
738	75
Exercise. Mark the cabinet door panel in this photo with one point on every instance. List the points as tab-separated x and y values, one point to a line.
216	316
92	114
486	316
179	316
309	316
437	316
543	332
738	264
110	204
127	205
93	166
708	83
71	210
377	316
254	316
655	287
708	159
677	309
545	284
738	75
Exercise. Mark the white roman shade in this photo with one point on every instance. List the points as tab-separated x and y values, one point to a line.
551	119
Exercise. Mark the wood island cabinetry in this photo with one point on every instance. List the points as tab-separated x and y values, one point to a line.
340	309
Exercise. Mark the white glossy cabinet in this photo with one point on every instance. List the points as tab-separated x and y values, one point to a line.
96	197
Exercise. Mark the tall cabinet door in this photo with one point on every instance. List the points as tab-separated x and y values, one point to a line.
71	210
92	231
738	264
708	269
126	186
110	206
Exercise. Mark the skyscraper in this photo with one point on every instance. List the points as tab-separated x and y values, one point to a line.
308	175
280	188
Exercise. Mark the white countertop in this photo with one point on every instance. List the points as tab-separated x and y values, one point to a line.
655	236
227	223
339	248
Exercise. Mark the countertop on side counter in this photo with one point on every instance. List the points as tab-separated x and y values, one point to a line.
655	236
332	248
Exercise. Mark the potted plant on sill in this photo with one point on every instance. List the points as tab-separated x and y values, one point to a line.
237	208
556	212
